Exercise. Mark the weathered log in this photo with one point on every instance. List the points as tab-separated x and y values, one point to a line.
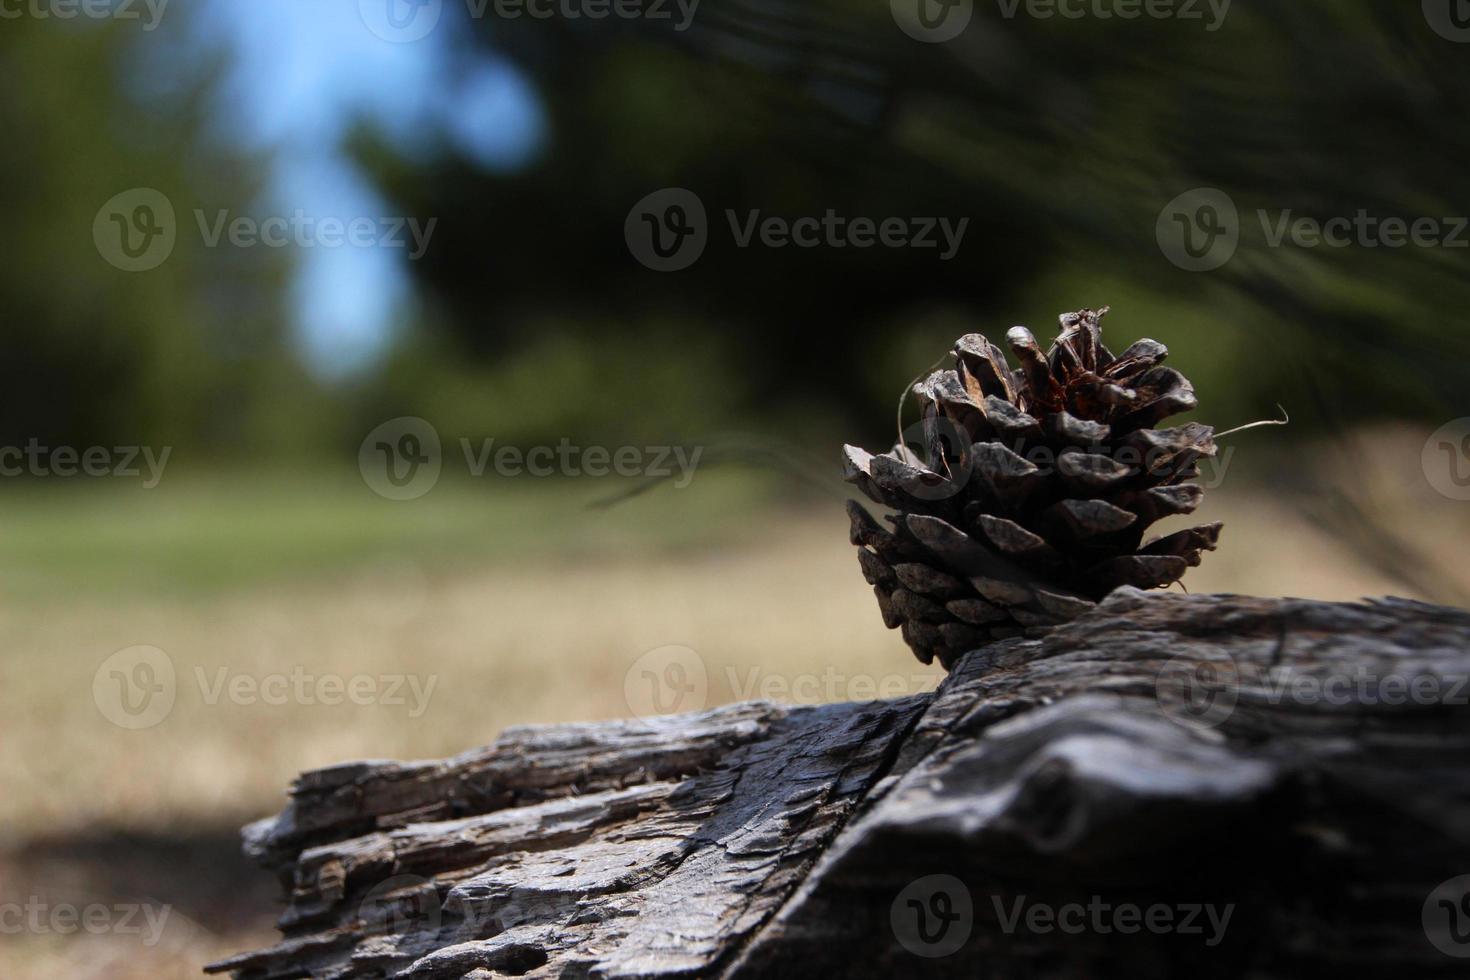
1170	785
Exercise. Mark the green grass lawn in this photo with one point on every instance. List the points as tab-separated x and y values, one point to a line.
222	531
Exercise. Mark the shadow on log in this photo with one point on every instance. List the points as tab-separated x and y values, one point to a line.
1169	786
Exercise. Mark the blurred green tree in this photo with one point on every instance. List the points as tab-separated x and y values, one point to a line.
192	352
1062	140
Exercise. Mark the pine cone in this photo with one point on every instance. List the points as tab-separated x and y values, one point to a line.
1035	489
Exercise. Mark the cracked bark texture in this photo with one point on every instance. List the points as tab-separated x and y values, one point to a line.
1305	764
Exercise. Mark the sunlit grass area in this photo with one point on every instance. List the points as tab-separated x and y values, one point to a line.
197	533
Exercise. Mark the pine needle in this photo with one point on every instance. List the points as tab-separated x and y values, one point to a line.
1284	420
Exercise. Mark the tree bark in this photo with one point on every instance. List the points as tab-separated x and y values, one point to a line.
1170	785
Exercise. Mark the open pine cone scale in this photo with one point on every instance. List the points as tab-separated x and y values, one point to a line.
1034	490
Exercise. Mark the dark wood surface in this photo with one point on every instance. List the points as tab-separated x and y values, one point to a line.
1169	786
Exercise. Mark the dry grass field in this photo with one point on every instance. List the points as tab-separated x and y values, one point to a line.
492	610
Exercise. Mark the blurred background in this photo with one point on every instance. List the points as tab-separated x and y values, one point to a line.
276	273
